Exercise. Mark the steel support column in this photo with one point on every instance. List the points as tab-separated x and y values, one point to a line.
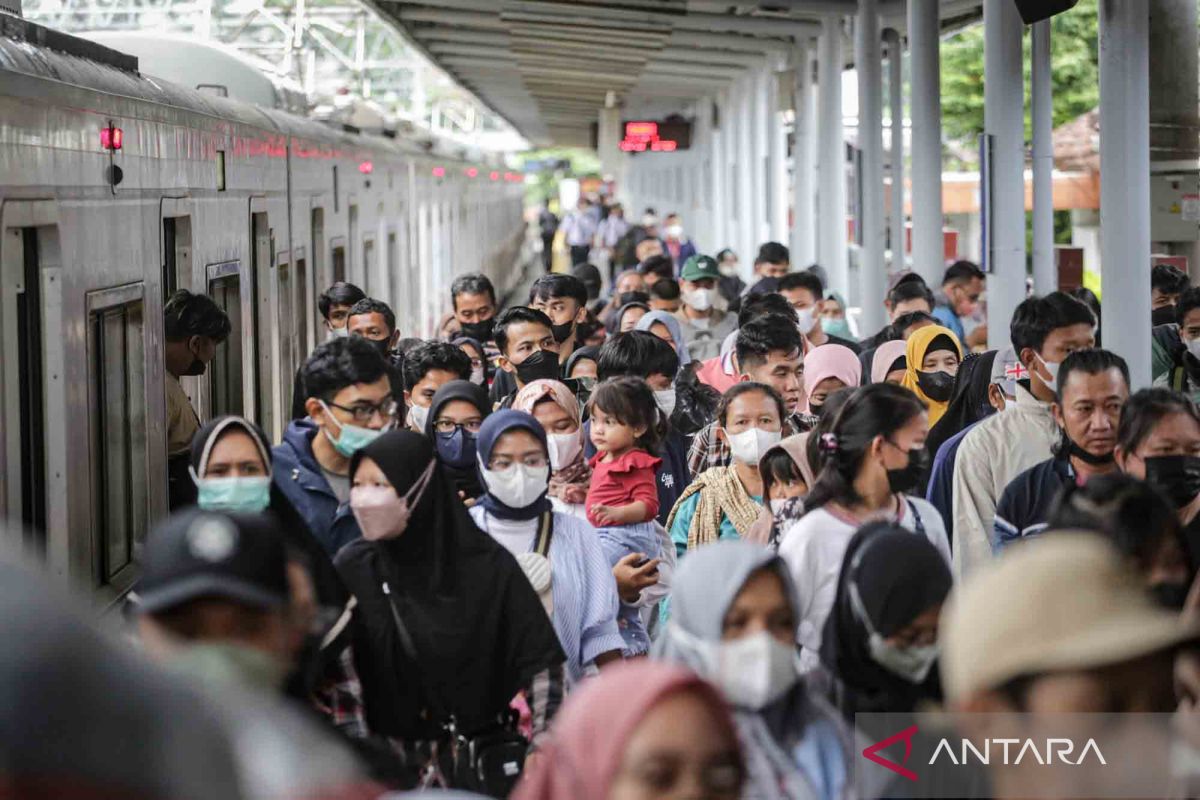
762	133
832	159
1125	182
926	108
777	160
804	209
896	155
1042	112
872	272
719	204
1004	122
744	165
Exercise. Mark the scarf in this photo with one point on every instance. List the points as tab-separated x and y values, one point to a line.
919	344
668	321
721	495
830	361
886	355
569	484
767	527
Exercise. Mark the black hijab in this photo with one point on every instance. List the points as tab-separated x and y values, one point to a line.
969	404
326	583
460	469
585	353
478	631
899	575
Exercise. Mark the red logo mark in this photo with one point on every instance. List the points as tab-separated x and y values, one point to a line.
1016	372
872	753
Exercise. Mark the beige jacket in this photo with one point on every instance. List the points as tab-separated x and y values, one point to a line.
991	455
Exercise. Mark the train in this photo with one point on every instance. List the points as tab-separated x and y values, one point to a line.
117	189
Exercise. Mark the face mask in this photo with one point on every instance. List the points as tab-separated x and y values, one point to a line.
777	507
1162	316
755	671
351	438
1170	595
541	365
903	480
562	332
196	367
1193	347
383	346
381	513
518	486
729	270
457	448
665	400
479	331
699	299
417	417
1178	476
837	327
674	231
564	449
807	320
1051	369
937	386
250	495
1075	450
478	377
911	663
625	298
339	333
751	445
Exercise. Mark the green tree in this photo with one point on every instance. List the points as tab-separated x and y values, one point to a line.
1075	73
582	162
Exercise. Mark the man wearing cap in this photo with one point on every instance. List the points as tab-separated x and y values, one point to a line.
704	326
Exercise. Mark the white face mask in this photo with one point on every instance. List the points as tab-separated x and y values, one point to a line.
1051	368
807	319
564	448
339	333
665	400
699	299
911	663
752	444
777	507
1193	347
518	486
752	672
417	417
728	269
674	231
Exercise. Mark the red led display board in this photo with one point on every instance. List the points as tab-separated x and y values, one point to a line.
656	136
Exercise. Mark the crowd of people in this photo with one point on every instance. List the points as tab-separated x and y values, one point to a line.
669	540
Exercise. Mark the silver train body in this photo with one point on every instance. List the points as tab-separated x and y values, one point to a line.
255	207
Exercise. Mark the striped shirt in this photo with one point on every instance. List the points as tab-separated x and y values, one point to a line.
584	591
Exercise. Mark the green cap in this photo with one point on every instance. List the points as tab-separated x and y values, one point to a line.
698	268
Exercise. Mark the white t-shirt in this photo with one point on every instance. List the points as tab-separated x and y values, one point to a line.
814	548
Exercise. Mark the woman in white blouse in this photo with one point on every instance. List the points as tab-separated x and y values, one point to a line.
872	457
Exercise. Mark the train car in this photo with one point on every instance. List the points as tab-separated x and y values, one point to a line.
116	189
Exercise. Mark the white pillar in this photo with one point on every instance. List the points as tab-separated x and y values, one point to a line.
762	136
1004	121
719	203
1042	111
744	163
928	251
1125	183
777	161
804	210
729	145
832	251
872	271
896	155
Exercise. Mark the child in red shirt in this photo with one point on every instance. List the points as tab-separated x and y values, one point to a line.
622	502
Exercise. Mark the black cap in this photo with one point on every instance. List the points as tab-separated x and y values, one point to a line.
199	553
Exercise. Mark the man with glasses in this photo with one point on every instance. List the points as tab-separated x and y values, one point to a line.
962	286
350	401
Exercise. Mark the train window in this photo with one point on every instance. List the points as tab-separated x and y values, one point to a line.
335	189
320	279
220	170
393	258
30	386
117	422
356	277
370	269
303	321
287	332
225	371
262	254
339	263
176	255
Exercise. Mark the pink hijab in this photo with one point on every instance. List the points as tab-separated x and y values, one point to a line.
588	738
571	483
885	354
796	448
830	361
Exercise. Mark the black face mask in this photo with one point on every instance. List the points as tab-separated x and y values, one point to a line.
384	346
1073	449
562	332
542	365
1178	476
196	367
905	479
1162	316
479	331
1170	595
625	298
937	386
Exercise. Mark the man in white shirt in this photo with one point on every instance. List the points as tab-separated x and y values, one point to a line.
1044	331
578	229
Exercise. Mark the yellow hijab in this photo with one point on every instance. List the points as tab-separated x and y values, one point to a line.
918	346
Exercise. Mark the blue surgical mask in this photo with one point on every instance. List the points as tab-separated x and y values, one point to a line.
244	494
456	449
837	327
351	438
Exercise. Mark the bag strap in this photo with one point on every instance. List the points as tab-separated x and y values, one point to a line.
1177	379
917	523
545	534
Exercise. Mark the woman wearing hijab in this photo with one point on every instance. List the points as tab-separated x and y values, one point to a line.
970	401
557	411
559	552
826	369
446	623
481	370
665	326
888	364
931	362
784	468
627	316
880	641
643	729
456	413
734	622
583	363
833	317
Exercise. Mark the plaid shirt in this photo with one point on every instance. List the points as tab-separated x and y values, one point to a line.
708	450
340	696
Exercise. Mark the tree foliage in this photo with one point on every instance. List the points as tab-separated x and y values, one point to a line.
1075	73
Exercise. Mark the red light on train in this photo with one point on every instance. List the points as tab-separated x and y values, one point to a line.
112	137
366	167
494	175
439	172
472	172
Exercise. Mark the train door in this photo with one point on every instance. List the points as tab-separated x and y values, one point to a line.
175	259
226	391
262	260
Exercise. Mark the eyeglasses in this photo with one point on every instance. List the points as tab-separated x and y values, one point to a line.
365	412
533	461
449	426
